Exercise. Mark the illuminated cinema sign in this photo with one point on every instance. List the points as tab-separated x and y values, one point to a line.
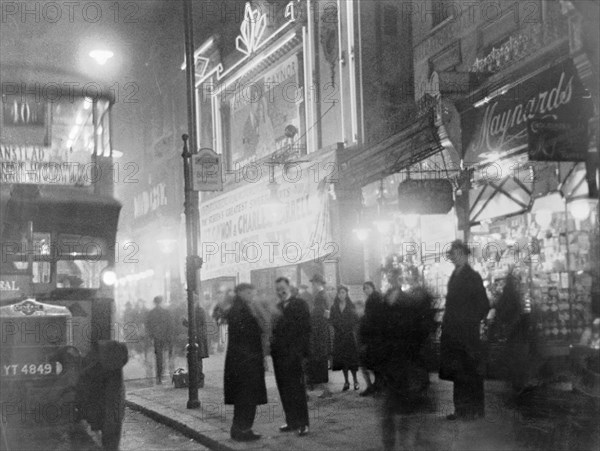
261	110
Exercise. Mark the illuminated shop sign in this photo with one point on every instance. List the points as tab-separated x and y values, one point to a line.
551	100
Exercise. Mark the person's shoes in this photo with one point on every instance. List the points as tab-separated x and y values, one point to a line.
285	428
452	417
356	386
346	387
368	391
303	431
245	436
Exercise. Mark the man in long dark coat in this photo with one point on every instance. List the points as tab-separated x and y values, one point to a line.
290	343
159	325
244	384
466	305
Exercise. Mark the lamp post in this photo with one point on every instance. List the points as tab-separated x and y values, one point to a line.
193	261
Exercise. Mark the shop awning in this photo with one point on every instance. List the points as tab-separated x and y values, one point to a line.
362	165
494	195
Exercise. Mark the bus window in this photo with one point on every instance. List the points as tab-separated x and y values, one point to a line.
81	261
79	273
41	272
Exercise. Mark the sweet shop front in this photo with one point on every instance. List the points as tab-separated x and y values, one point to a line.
533	200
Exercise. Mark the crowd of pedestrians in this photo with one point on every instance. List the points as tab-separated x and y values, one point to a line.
310	332
165	330
313	332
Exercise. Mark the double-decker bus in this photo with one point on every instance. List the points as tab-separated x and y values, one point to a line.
60	362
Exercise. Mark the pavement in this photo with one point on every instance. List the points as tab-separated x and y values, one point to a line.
347	421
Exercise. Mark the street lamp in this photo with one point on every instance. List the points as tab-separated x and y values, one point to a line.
101	56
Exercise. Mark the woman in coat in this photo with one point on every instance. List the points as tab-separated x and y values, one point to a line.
244	384
344	320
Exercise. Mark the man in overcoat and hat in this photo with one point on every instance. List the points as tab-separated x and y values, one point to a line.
290	345
244	383
460	347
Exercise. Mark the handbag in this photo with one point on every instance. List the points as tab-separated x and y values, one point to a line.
180	378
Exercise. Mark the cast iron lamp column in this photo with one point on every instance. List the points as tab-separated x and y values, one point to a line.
192	221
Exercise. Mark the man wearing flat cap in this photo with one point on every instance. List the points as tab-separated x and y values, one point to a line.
460	347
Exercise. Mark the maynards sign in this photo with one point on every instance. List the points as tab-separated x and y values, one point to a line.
499	126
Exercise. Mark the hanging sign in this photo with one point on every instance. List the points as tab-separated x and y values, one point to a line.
207	173
425	197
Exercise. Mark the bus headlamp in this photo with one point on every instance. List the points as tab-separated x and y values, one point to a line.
109	277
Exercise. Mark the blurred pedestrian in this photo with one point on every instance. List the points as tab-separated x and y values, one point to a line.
460	346
138	318
244	380
306	296
178	309
158	325
370	336
519	356
290	343
128	313
344	320
130	329
404	325
320	340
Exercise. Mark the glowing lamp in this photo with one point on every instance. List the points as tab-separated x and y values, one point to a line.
580	209
543	218
101	56
109	277
166	245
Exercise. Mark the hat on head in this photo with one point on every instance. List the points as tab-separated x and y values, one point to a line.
460	246
318	278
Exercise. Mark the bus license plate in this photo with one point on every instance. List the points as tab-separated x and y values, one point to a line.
29	370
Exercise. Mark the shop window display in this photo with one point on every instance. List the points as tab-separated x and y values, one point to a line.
553	255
